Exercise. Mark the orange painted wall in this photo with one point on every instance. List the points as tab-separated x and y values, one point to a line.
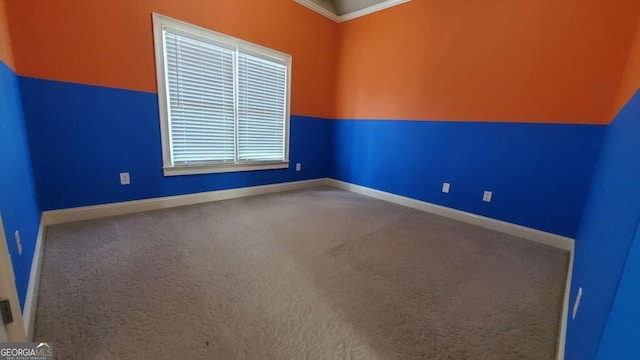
6	55
631	76
110	43
501	60
498	60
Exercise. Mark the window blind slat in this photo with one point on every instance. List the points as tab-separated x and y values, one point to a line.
261	108
201	100
224	105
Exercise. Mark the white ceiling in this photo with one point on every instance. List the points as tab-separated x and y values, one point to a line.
326	4
345	10
342	7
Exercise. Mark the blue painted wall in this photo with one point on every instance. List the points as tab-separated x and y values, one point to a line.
83	136
539	173
607	231
621	336
18	203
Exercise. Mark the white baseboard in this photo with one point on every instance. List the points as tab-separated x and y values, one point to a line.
524	232
562	334
31	302
128	207
53	217
542	237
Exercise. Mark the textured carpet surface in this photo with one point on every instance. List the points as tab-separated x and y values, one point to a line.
313	274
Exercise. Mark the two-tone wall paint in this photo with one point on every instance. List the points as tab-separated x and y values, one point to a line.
507	96
90	109
493	81
607	258
96	115
18	205
607	232
83	136
512	71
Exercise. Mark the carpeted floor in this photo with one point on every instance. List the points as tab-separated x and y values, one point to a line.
313	274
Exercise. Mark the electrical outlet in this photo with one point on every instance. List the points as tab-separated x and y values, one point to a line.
487	196
18	242
446	187
298	167
577	303
125	179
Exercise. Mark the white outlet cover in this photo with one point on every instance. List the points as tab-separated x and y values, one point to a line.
125	179
577	303
446	187
298	167
487	196
18	242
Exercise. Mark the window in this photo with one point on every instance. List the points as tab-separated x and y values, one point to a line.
224	102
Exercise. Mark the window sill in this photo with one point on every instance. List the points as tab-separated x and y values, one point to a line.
211	169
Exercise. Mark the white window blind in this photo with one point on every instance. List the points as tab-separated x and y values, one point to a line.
201	100
261	108
224	103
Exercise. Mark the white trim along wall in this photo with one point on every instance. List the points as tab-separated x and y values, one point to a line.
99	211
120	208
31	302
352	15
543	237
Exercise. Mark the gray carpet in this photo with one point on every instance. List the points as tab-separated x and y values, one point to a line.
313	274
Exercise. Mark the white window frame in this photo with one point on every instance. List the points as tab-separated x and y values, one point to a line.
170	169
